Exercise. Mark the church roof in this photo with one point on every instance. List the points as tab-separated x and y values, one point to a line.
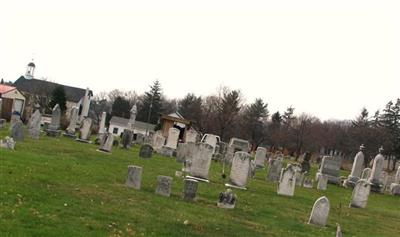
5	88
123	122
45	88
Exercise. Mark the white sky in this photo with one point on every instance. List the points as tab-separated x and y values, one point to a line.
328	58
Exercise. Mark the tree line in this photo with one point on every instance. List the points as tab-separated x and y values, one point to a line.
225	114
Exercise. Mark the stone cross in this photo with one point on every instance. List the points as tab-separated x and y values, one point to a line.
164	185
320	212
261	153
361	191
287	181
134	177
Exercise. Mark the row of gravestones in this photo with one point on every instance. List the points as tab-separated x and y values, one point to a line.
226	199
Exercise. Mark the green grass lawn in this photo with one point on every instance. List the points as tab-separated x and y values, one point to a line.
60	187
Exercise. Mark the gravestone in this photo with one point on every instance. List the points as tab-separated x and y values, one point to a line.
158	141
252	169
320	212
201	161
139	139
173	137
227	199
239	170
2	123
8	143
184	152
260	157
146	151
34	124
377	167
190	189
134	179
127	138
17	130
322	182
361	191
85	130
330	166
308	183
395	187
106	142
275	168
305	164
53	128
287	181
356	169
102	125
190	136
132	118
167	151
366	173
298	175
164	185
73	120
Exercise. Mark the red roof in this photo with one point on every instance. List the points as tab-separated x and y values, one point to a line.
5	88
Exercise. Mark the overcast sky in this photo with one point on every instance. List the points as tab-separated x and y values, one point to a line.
327	58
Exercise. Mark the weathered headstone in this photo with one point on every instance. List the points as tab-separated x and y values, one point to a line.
73	120
85	105
54	126
287	181
377	167
164	185
8	143
127	138
305	164
106	143
134	179
17	131
85	130
132	117
158	141
308	182
275	168
173	137
356	170
190	136
395	187
190	189
227	199
34	124
361	191
366	173
201	161
320	212
260	157
239	170
298	175
102	124
322	182
146	151
185	151
331	167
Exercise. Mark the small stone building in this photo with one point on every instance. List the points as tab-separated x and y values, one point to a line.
11	101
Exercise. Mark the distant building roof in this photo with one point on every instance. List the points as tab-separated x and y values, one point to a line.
123	122
5	88
45	88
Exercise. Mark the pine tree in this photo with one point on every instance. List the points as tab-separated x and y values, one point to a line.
254	122
121	107
58	97
151	102
228	109
190	108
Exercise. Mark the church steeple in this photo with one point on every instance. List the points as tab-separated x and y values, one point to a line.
30	69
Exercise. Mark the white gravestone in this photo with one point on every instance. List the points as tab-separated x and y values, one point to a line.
261	153
377	167
361	191
134	179
366	173
190	136
86	129
287	181
201	161
73	120
356	169
320	212
239	170
173	137
322	182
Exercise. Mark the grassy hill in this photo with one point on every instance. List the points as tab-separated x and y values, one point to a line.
60	187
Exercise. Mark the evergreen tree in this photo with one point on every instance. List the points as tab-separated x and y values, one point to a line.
228	109
58	97
254	122
190	108
121	107
151	102
362	120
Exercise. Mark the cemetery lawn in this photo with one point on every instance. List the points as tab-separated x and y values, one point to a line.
60	187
